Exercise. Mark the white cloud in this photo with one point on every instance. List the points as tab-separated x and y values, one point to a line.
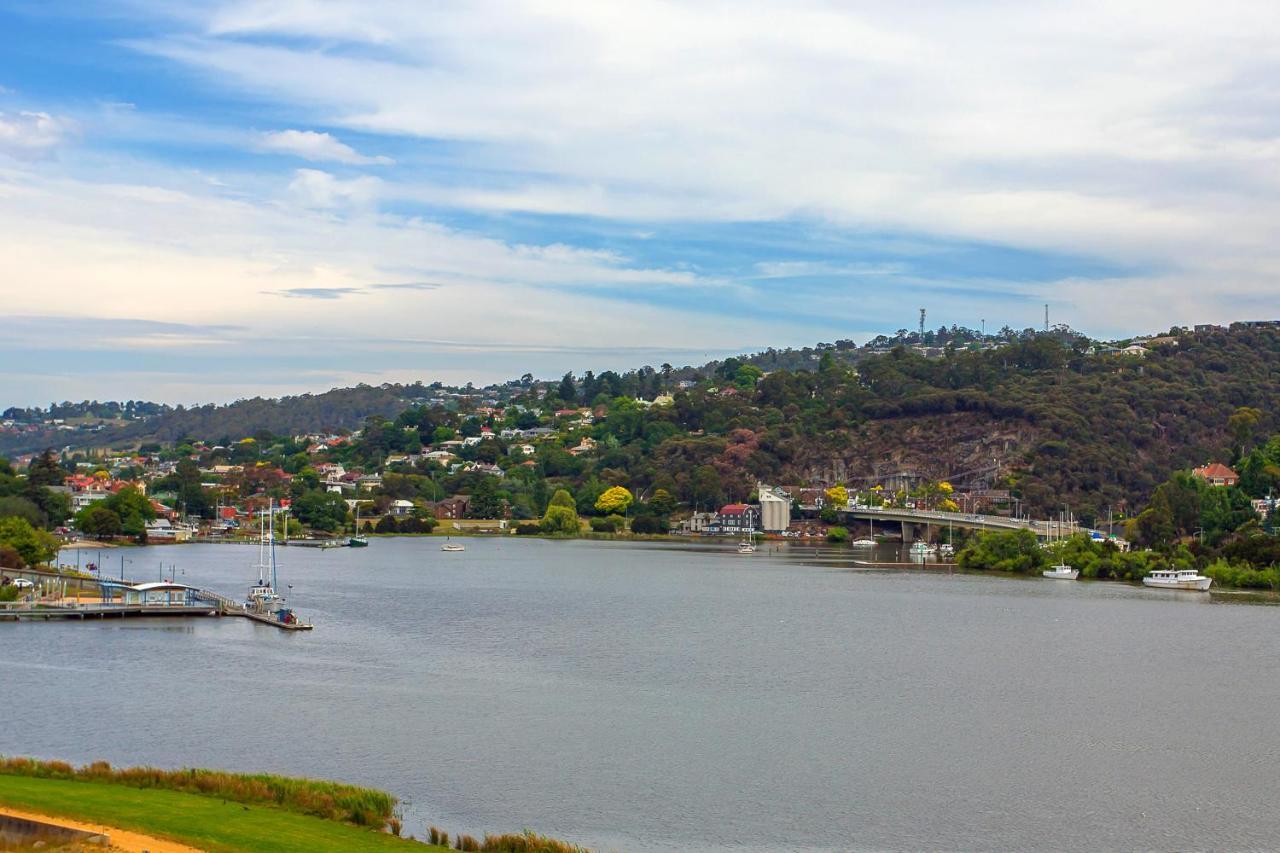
32	135
314	188
317	147
1139	132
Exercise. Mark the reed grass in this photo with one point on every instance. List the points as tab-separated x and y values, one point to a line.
328	800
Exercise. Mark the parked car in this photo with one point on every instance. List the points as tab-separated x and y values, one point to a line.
23	583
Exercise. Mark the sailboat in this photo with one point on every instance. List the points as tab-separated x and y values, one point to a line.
263	598
357	541
869	541
450	545
1062	571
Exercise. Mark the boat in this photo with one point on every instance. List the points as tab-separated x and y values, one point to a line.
1061	572
946	549
862	543
745	547
1177	579
452	546
357	541
263	598
922	548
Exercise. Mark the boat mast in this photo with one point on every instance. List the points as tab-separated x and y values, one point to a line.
272	522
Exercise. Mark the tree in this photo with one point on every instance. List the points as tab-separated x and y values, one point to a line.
98	521
838	534
615	500
1241	424
45	471
568	391
662	503
321	510
563	498
560	519
837	496
705	486
486	500
34	546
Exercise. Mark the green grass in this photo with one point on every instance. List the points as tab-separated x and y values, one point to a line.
204	822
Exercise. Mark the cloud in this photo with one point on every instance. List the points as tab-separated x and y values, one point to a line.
317	147
316	292
32	135
318	189
409	285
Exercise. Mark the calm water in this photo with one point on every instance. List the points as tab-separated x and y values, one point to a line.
687	698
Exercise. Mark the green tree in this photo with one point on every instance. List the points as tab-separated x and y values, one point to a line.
98	521
1242	423
44	470
321	510
560	519
33	545
662	503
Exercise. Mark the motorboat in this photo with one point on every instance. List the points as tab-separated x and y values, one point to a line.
1061	572
946	549
923	548
452	546
745	547
863	543
1178	579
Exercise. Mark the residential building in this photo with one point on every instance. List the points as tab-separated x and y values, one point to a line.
1217	474
737	518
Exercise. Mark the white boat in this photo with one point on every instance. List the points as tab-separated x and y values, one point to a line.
452	546
263	597
922	548
946	549
1061	572
863	543
1177	579
745	547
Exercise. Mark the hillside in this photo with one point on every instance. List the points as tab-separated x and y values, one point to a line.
1046	416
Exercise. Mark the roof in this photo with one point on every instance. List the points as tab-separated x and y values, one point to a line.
1216	471
733	509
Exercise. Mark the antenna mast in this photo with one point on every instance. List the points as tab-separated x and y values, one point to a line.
1046	316
922	326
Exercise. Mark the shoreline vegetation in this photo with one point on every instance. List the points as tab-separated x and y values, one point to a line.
218	810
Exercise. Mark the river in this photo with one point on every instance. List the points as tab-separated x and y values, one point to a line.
656	697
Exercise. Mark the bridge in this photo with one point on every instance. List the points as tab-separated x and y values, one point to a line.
913	521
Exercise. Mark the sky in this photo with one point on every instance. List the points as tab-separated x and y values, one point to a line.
210	200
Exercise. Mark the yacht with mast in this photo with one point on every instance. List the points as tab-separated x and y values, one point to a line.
263	598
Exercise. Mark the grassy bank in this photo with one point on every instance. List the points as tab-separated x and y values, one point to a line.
215	810
205	822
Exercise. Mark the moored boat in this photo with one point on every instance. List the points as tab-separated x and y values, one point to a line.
745	547
923	548
452	546
1178	579
863	543
1061	572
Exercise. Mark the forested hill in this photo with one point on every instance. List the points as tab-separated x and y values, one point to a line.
1049	417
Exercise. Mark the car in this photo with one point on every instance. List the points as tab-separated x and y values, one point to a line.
23	583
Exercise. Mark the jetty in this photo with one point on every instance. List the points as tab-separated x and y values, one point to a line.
116	599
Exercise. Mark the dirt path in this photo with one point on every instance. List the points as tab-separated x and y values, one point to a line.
121	839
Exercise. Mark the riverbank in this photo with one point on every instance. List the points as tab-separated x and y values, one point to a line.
191	821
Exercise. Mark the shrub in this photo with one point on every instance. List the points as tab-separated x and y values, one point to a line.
838	534
466	843
649	524
528	528
605	525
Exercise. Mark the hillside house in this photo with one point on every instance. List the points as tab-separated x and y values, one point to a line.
1217	474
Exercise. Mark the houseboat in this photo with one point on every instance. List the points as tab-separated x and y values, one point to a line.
1178	579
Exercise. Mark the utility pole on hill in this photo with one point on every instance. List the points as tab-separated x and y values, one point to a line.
922	327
